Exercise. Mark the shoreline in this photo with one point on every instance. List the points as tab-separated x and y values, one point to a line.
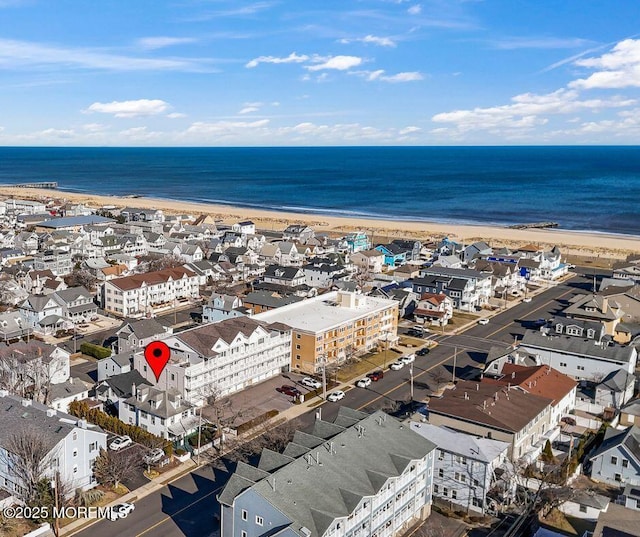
572	242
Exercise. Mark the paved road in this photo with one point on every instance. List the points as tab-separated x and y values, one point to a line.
187	507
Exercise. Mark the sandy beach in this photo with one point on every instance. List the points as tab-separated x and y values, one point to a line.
570	242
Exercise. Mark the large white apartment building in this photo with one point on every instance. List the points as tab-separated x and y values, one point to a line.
73	443
360	476
150	293
222	358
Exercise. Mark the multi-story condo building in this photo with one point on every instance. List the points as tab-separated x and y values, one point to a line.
57	261
147	294
360	476
475	293
330	328
222	358
73	443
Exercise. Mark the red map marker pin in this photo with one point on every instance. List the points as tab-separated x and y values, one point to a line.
157	355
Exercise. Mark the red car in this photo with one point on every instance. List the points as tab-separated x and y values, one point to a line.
291	391
375	375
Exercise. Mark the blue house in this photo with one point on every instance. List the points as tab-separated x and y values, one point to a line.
394	255
357	241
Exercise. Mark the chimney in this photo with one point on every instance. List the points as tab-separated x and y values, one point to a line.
51	412
513	374
466	395
605	304
82	424
27	402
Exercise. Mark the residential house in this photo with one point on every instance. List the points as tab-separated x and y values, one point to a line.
163	413
616	521
407	300
135	335
394	254
357	241
596	308
116	364
284	276
630	413
630	272
481	283
579	358
222	358
496	412
77	304
13	326
259	301
617	460
466	467
298	233
462	292
111	272
592	330
289	254
221	306
448	261
146	215
11	293
475	250
19	206
434	309
630	498
72	444
43	314
246	227
114	390
150	293
57	261
27	241
413	248
543	381
62	395
10	256
361	475
331	327
585	505
33	366
324	272
190	253
369	261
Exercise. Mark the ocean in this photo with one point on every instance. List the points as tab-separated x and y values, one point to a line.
580	188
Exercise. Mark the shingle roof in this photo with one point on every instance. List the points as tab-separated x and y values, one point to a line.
151	278
490	404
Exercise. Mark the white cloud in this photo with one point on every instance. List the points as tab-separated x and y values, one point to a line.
16	54
94	127
341	63
249	110
152	43
176	115
415	10
225	128
526	110
619	68
372	39
140	134
128	109
409	130
514	43
291	58
410	76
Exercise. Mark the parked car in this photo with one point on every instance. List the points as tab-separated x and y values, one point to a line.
120	510
155	455
395	366
120	442
415	332
408	359
311	383
483	321
423	351
540	322
291	391
526	299
376	375
335	396
364	383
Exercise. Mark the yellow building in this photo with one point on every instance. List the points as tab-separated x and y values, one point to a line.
329	328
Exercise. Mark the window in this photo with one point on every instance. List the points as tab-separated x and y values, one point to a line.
243	533
75	435
297	336
259	520
563	364
454	494
580	368
75	452
445	492
618	477
614	460
440	472
245	515
625	463
297	346
92	446
436	488
75	469
583	508
440	455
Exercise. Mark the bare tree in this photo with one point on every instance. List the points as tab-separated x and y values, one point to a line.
81	278
151	263
112	467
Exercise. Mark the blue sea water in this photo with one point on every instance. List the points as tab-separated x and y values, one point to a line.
581	188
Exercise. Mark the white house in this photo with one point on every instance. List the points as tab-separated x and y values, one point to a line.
116	364
73	443
222	358
61	395
370	261
25	367
465	466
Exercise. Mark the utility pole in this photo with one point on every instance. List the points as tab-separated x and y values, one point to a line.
199	433
455	356
56	522
411	376
324	379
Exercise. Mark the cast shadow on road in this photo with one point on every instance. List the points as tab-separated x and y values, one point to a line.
193	511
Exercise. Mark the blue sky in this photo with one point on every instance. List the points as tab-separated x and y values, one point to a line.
319	72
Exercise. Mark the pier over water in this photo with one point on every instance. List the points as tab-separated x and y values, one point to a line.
42	184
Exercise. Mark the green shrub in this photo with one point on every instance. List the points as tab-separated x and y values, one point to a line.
248	425
95	350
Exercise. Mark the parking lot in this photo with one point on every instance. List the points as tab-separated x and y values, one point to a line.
136	453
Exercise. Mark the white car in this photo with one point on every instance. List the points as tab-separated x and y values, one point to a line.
527	299
335	396
120	510
311	383
120	442
364	383
483	321
408	359
395	366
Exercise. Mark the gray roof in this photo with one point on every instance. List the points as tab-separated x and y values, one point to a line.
629	438
617	381
144	328
471	447
467	274
270	299
590	499
602	309
75	221
73	293
122	384
632	407
17	417
318	487
577	346
39	302
73	386
166	403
